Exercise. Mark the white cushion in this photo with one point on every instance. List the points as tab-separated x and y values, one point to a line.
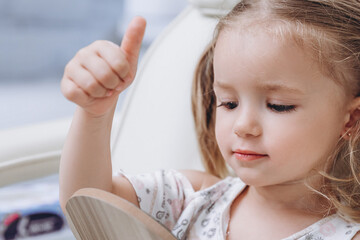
214	7
156	126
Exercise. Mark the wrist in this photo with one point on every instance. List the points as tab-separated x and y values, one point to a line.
98	117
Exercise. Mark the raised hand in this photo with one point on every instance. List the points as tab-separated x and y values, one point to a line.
98	73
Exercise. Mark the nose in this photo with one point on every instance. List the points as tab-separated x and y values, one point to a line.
247	124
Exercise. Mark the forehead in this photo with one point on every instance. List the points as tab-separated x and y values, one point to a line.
259	55
262	58
256	46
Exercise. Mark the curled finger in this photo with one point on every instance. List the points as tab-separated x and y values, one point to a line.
114	57
74	93
86	81
101	71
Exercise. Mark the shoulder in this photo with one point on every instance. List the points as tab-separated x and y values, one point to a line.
199	179
357	236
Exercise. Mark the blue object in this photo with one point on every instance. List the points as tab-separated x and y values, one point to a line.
31	209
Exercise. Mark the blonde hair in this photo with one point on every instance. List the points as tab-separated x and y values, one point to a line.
329	31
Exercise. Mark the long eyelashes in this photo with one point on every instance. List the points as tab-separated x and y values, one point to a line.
274	107
228	105
281	108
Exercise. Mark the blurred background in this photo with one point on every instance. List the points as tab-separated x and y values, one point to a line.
38	38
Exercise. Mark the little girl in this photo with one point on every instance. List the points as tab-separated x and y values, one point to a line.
275	98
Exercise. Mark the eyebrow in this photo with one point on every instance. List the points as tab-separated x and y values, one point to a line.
222	85
277	87
270	87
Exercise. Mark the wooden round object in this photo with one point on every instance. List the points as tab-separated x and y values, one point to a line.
94	214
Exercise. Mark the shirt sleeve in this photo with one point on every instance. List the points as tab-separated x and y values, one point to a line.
162	194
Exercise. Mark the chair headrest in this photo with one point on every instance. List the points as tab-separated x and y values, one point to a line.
214	7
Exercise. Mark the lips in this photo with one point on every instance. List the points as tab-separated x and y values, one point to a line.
246	155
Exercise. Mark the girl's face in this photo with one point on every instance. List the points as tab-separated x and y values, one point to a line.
278	116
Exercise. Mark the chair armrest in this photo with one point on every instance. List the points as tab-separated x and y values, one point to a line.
31	151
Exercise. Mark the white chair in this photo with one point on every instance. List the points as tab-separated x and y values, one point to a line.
154	128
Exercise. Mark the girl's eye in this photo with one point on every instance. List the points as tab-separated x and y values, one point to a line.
228	105
281	108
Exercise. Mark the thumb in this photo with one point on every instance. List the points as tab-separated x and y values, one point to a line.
131	42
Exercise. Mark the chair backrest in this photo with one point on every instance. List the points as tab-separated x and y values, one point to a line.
156	129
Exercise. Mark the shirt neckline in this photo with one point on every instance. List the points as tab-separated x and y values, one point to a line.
310	228
238	190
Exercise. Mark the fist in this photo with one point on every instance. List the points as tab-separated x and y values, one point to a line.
98	73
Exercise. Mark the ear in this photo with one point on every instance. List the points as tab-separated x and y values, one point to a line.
352	116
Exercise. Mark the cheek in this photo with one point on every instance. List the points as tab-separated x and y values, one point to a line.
324	133
219	131
303	138
223	129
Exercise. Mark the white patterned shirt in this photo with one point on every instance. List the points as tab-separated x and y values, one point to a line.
168	196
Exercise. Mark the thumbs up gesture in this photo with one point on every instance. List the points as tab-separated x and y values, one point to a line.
98	73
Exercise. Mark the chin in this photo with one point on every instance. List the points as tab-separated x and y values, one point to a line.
254	183
252	179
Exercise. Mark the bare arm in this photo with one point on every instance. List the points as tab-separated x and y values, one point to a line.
357	236
85	160
93	79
